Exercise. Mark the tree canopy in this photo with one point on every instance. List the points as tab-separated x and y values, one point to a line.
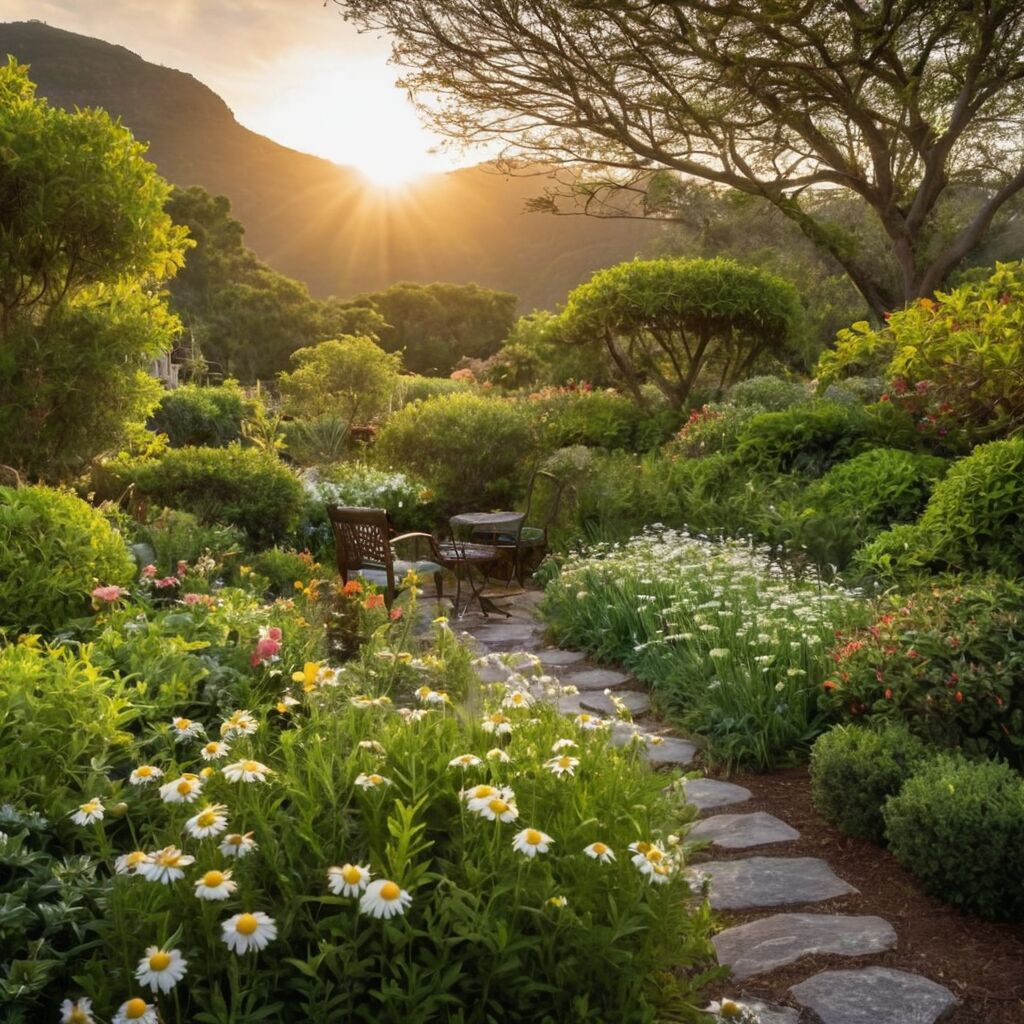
669	321
911	107
84	246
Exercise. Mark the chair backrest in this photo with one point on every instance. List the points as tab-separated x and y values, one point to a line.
362	537
541	510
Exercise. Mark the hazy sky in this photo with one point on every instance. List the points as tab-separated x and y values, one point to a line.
293	70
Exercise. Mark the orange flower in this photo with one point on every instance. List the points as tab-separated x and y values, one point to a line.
829	685
352	587
395	614
374	601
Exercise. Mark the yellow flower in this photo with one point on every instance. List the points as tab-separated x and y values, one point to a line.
307	676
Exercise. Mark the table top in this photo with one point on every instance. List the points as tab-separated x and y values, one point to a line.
487	518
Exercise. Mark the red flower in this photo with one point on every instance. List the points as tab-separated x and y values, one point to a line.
395	614
830	685
958	697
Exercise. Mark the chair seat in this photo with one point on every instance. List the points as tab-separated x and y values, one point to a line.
379	577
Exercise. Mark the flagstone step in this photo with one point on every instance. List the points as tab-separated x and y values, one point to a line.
637	703
707	794
739	831
594	678
507	635
771	942
874	995
557	658
669	750
770	882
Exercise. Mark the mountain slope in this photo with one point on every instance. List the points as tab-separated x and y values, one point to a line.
312	219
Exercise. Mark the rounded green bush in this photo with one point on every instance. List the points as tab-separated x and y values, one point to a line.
767	393
234	486
958	825
854	770
195	415
473	451
54	550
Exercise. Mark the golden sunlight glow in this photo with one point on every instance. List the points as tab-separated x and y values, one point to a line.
348	110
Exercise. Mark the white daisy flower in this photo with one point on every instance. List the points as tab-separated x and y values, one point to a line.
412	715
77	1012
373	746
497	808
659	874
248	931
530	842
165	866
497	754
135	1011
588	722
241	723
129	863
186	729
384	899
560	745
464	761
145	773
246	771
183	790
237	845
517	699
214	750
481	792
599	851
215	885
161	969
562	765
210	821
649	856
89	812
372	781
348	880
497	723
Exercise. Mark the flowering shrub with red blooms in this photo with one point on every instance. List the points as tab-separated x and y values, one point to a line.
949	662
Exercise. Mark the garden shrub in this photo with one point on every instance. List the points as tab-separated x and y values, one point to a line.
767	394
202	416
809	439
858	499
54	550
958	825
175	536
414	388
715	427
282	570
599	419
63	723
947	661
904	553
473	452
234	486
854	770
855	391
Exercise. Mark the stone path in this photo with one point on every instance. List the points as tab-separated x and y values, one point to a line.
751	883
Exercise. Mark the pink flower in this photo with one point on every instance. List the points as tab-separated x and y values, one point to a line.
182	567
266	648
272	633
198	599
148	571
110	594
167	581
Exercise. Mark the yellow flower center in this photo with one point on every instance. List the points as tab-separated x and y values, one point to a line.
642	847
206	819
159	961
144	771
184	787
212	747
206	773
730	1009
600	849
565	761
213	878
90	806
182	723
654	856
135	857
351	874
250	766
389	891
498	806
246	924
134	1008
78	1016
235	839
375	779
533	837
481	791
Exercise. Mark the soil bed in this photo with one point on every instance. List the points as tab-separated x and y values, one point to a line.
981	962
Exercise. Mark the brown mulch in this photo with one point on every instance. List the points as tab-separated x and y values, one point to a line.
981	962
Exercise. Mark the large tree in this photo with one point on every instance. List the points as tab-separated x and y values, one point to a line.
84	247
913	107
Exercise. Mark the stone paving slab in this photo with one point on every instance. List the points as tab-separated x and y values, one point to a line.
771	882
874	995
769	1013
507	633
638	703
738	831
594	679
707	794
771	942
558	658
671	750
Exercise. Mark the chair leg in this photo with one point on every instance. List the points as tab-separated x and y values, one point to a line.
439	584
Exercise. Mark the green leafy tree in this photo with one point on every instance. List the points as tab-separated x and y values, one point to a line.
243	317
910	108
436	325
352	378
84	245
676	322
